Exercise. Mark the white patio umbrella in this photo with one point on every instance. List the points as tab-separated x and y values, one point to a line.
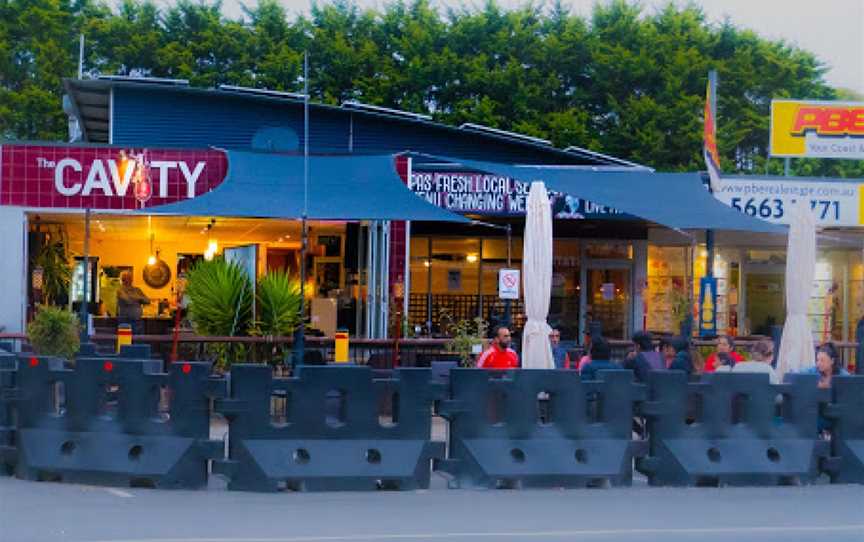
537	279
796	346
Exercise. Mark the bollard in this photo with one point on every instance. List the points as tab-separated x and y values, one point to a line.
124	335
340	354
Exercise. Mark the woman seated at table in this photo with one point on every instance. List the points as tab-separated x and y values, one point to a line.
725	345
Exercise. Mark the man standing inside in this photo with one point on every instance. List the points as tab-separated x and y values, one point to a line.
499	355
129	302
559	353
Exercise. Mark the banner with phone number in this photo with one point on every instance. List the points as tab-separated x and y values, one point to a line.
834	203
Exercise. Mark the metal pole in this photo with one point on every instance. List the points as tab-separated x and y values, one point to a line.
299	333
508	309
81	57
84	309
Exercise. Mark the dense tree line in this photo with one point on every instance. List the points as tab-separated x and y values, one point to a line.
624	81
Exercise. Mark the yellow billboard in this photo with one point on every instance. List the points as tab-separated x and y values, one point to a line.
815	129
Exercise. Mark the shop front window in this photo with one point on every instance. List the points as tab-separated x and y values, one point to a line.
564	304
667	298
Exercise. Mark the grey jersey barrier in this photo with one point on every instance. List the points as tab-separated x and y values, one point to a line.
537	428
100	422
846	414
744	431
8	451
322	430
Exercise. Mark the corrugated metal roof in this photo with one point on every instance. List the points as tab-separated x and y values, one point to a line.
187	116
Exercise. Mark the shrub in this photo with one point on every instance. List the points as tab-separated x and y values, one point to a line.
54	332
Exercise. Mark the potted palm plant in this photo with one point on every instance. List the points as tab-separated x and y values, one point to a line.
278	308
220	305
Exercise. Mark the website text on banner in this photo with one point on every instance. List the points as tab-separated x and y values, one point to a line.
813	129
837	203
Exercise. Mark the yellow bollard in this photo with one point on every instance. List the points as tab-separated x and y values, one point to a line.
340	354
124	335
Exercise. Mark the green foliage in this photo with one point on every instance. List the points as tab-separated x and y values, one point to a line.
54	332
625	81
278	304
467	334
220	304
220	298
56	271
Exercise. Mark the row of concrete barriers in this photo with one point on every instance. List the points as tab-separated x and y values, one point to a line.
123	421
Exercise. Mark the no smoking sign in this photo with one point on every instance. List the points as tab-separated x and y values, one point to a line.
508	283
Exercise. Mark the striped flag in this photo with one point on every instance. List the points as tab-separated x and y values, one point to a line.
709	145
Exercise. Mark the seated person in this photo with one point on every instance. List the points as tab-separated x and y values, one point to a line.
601	359
499	355
644	358
725	345
828	365
682	360
762	355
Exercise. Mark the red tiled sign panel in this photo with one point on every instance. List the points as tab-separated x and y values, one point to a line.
94	177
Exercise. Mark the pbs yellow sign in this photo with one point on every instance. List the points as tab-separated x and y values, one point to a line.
812	129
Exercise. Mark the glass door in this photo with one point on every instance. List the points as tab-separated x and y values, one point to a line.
608	299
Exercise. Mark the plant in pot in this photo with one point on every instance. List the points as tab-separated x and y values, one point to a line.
468	336
278	308
54	331
220	305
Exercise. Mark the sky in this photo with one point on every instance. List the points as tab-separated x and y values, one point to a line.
831	29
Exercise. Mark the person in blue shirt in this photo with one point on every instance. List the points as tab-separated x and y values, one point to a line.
559	353
601	359
682	361
828	365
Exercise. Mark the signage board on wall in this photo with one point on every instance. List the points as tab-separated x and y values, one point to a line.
508	283
707	307
834	203
478	193
817	129
70	177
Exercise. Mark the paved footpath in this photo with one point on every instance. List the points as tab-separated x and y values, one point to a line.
42	512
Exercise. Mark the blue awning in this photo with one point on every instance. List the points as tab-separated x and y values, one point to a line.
675	200
262	185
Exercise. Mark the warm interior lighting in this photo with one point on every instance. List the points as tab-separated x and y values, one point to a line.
151	260
426	263
472	258
212	249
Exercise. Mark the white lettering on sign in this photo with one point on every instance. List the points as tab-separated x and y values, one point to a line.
105	176
59	183
191	178
120	185
97	178
163	167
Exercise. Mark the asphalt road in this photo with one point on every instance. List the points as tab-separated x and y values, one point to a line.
41	512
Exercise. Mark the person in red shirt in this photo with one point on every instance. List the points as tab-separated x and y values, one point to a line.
725	345
499	355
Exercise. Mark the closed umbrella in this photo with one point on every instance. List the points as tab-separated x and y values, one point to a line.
537	279
796	346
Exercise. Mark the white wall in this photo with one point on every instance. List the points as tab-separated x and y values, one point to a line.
13	269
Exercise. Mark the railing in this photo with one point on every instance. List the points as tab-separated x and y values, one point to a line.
378	353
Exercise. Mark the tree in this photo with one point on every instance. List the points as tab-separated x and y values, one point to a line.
624	81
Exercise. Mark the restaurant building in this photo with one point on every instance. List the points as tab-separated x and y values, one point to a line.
625	270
